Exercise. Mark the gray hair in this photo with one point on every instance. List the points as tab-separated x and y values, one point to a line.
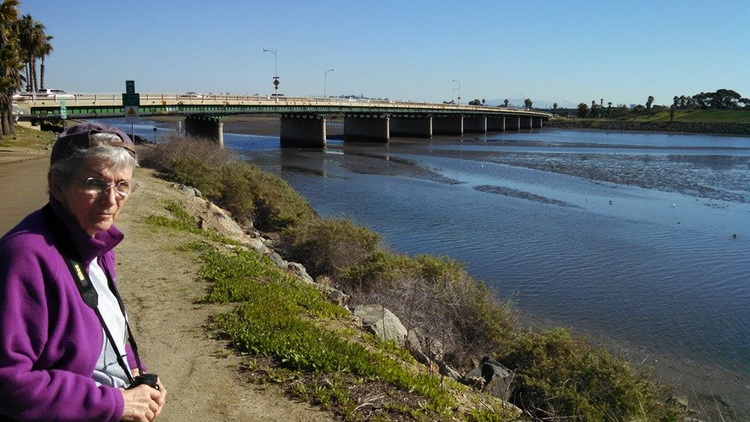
119	158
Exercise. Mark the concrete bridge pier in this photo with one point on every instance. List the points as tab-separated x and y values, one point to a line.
537	122
418	126
448	125
475	124
496	124
367	128
526	122
303	130
512	123
205	127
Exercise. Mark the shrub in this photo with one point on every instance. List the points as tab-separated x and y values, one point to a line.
248	193
191	161
235	193
436	296
276	205
328	246
564	376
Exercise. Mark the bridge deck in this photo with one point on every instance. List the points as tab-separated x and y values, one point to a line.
110	105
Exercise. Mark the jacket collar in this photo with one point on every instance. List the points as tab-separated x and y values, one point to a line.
88	247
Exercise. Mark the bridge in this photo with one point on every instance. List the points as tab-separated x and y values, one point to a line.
303	119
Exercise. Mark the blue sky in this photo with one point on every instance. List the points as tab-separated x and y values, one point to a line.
550	51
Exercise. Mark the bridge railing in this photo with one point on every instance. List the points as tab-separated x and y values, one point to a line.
171	99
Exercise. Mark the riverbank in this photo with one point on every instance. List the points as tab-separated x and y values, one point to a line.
717	388
708	388
714	128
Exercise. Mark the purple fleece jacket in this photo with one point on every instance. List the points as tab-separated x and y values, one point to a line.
51	339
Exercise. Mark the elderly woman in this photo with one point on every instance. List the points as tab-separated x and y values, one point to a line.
66	351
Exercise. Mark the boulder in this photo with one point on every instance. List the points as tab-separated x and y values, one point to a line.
277	259
189	190
335	295
257	244
382	322
299	271
449	372
497	380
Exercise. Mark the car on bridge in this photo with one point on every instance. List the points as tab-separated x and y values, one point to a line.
22	96
56	94
191	94
17	112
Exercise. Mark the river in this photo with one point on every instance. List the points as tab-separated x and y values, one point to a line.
642	238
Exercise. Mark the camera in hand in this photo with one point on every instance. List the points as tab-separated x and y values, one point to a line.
147	379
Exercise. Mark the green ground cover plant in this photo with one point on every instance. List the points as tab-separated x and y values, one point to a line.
308	342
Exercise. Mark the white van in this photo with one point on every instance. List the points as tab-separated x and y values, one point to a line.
56	94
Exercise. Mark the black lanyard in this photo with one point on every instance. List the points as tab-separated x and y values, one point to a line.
88	292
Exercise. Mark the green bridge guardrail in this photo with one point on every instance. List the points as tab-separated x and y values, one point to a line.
109	105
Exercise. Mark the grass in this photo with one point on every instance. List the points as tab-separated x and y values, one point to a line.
28	138
705	116
662	114
302	341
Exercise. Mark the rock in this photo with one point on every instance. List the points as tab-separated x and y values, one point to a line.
277	259
189	190
335	295
299	270
473	375
497	379
413	342
433	348
382	322
449	372
256	244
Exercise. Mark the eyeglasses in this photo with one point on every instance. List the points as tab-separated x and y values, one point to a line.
98	186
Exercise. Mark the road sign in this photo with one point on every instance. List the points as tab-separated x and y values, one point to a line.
130	87
131	100
63	109
131	114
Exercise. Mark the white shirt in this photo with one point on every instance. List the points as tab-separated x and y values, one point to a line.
108	371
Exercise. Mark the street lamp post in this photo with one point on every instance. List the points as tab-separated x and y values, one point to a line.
453	95
459	91
275	72
325	82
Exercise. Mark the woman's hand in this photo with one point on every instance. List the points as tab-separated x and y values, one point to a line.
162	397
142	403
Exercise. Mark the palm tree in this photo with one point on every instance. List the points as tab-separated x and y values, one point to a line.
10	64
32	40
44	51
649	101
24	26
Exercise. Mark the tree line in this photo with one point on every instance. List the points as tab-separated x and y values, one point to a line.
722	99
23	44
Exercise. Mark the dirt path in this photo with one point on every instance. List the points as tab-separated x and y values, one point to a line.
23	186
159	285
